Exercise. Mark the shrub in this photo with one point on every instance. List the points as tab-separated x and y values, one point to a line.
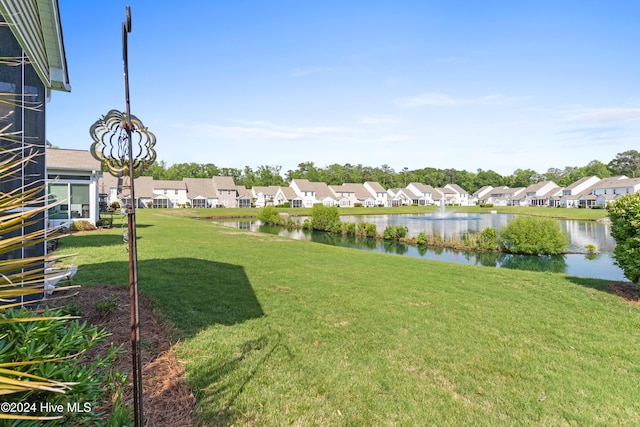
357	205
366	229
395	232
81	226
625	229
270	215
325	218
421	240
349	228
487	239
533	236
54	340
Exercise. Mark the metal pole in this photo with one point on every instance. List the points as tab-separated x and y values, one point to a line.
133	249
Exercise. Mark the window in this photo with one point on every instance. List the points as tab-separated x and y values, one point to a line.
175	192
72	201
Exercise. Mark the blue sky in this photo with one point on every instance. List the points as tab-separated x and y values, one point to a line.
495	85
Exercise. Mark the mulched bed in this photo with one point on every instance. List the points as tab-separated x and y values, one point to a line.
626	290
167	400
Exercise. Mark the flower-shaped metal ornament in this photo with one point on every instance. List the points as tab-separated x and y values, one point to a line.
110	146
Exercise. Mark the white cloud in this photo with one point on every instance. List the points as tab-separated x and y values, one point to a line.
604	115
442	99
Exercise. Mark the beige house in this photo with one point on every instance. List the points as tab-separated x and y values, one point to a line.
200	192
225	191
72	186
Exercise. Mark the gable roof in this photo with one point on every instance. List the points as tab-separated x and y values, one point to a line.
223	183
202	187
375	186
359	190
78	160
579	182
456	188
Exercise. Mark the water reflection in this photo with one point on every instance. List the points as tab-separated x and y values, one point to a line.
580	233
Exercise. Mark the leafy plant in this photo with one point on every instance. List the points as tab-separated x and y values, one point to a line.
325	218
270	215
625	229
107	306
533	236
39	353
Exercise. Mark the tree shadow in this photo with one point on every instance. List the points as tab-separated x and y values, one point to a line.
96	239
598	284
192	293
226	381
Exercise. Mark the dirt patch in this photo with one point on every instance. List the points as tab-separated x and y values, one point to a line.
626	290
167	400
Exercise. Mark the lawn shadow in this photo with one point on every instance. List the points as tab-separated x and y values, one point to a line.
93	239
191	293
624	289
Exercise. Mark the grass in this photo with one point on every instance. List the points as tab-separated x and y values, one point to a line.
276	331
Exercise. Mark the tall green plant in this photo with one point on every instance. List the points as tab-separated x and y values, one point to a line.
625	229
533	236
21	277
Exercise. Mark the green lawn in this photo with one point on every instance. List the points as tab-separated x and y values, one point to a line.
276	331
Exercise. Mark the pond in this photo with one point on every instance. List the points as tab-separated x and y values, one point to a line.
580	233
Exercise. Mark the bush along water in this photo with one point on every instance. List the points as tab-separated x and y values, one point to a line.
625	229
523	235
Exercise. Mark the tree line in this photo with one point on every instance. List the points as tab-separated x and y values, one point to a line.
625	163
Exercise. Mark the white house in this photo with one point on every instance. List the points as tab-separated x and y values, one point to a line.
264	196
288	195
72	184
355	193
461	196
538	194
201	193
480	194
571	194
611	189
313	192
399	197
378	192
423	194
169	194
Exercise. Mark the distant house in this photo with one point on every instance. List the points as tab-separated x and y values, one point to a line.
225	191
264	196
461	196
611	189
422	194
355	193
72	186
288	195
169	194
480	194
312	193
244	198
378	191
201	193
399	197
539	194
446	194
345	195
571	194
504	196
